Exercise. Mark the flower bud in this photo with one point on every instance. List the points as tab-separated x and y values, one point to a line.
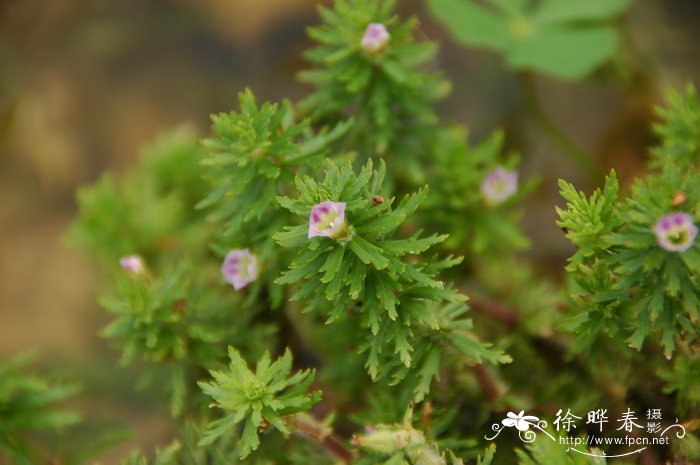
676	232
240	268
389	439
132	264
425	455
376	39
499	185
327	219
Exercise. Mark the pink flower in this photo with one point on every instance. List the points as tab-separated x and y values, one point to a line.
676	232
132	264
498	185
240	268
328	219
375	39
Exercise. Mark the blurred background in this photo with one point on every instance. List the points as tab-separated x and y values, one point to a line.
84	84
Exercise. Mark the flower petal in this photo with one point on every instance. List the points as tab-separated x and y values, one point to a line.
522	425
240	268
509	422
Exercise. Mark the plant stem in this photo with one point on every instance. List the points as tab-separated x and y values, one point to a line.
488	385
496	310
309	427
558	137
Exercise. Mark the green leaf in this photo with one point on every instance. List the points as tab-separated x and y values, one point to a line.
565	38
488	456
429	370
558	11
252	397
512	7
471	24
368	253
332	265
475	350
566	53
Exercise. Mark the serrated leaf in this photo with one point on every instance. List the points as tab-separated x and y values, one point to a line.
368	253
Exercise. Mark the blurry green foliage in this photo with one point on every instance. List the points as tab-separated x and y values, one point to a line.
679	130
544	451
565	38
29	406
456	203
151	211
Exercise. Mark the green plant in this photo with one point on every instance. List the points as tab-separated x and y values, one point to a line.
335	228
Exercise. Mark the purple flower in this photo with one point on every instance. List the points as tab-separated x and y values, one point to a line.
240	268
676	232
328	219
498	185
375	39
132	264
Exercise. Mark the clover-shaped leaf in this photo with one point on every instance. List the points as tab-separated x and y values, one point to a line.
565	38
